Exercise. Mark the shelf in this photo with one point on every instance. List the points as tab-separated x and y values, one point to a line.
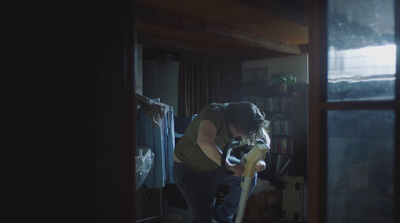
283	136
287	113
273	105
262	88
277	116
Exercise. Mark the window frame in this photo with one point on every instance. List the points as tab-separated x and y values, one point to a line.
318	108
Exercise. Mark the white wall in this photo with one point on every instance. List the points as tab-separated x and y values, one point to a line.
139	70
296	65
160	80
168	83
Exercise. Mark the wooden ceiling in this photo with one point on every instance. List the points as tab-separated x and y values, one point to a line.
244	29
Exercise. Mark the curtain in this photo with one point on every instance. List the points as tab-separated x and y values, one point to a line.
204	79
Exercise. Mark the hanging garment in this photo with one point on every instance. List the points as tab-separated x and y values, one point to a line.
153	109
161	140
169	142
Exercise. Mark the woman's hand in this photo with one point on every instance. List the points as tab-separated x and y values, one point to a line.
237	169
261	165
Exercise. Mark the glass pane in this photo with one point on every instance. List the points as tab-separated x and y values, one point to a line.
360	166
361	50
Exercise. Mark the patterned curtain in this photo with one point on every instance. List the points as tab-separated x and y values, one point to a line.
205	79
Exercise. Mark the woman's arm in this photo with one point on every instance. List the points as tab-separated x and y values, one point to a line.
206	141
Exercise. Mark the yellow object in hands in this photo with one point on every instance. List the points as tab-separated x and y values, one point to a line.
249	161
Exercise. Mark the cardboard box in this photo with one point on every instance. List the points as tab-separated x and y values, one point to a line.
292	198
176	215
265	199
264	221
258	215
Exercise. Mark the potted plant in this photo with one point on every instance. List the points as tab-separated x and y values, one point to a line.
282	80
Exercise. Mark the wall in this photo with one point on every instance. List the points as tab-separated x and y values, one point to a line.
160	77
139	70
296	65
160	80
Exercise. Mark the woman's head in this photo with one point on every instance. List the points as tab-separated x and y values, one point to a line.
247	119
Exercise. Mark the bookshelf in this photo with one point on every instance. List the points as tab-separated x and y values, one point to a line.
278	110
286	109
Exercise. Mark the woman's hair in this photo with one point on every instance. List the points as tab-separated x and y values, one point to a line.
246	118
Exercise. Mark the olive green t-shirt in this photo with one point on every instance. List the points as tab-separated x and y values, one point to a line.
189	152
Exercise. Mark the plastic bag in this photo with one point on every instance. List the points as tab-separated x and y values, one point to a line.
144	163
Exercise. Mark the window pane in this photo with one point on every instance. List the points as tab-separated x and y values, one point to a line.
361	50
360	166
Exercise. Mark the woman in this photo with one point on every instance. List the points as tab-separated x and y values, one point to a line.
197	168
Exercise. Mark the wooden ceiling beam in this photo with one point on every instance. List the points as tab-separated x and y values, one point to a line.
156	17
179	46
291	10
262	55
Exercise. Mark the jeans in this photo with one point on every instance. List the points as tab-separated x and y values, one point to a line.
199	190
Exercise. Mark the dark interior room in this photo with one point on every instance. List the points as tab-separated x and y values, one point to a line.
79	77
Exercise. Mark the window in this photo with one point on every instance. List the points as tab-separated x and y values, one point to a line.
354	111
361	50
360	185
